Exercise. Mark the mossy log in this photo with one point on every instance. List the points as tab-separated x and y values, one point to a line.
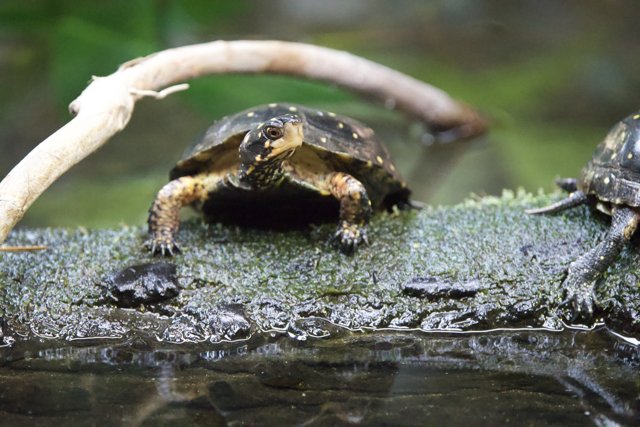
479	265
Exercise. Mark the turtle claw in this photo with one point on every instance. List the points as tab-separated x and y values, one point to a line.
167	247
581	299
349	236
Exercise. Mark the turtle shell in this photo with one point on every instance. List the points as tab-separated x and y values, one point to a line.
342	144
613	174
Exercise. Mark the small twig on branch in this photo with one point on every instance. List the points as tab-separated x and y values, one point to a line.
22	248
105	106
160	94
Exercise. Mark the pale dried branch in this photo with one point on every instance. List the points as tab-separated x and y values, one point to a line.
160	94
105	106
22	248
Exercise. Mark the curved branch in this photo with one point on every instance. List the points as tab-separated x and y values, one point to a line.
105	106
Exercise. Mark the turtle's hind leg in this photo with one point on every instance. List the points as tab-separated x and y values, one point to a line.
579	286
575	198
164	214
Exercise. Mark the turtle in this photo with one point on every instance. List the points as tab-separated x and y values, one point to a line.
280	164
611	182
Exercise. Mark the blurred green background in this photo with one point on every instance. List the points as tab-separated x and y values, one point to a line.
553	76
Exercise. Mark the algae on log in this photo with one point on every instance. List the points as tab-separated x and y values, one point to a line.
479	265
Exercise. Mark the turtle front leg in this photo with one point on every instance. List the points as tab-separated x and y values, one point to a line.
164	214
579	286
355	211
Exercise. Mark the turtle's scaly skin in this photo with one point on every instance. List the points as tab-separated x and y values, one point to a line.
163	215
280	164
611	181
355	211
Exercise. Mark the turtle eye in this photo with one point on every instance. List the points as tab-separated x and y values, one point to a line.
273	132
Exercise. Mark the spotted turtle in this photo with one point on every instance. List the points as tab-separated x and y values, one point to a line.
611	182
280	163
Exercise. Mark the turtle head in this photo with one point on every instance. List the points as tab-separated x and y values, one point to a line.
264	148
274	140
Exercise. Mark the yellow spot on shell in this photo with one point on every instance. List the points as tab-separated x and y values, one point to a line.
273	104
251	114
323	139
293	109
392	167
379	159
340	125
355	135
369	164
636	117
320	113
607	180
630	156
331	114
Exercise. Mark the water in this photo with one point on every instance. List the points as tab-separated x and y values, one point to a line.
351	378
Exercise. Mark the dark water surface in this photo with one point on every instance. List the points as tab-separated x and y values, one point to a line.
351	378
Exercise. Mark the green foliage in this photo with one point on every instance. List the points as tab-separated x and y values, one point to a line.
89	38
85	48
221	95
96	203
552	78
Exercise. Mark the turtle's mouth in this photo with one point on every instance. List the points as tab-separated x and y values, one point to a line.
291	140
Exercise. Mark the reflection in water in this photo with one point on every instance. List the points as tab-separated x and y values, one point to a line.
348	379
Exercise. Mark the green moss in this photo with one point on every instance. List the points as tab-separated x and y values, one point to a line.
275	280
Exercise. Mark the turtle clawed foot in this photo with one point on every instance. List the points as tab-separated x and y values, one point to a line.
349	236
165	246
581	299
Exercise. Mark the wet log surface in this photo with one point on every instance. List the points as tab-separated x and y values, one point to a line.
476	266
